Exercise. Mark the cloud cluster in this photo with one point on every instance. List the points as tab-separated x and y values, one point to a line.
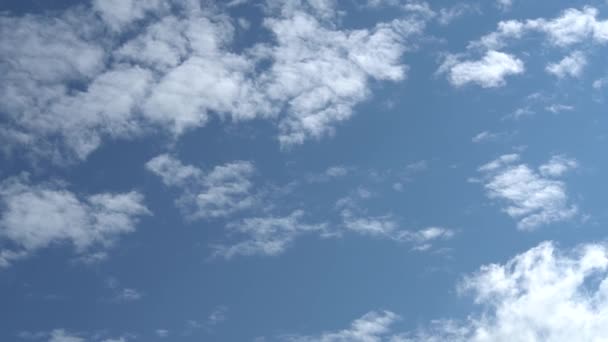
37	216
571	27
224	190
75	79
532	197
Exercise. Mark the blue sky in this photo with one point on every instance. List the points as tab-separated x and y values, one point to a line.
303	170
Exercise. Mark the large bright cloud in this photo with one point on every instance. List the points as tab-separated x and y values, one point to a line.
75	79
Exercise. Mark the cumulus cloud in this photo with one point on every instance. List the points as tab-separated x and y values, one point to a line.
322	73
73	82
37	216
222	191
270	235
543	294
532	197
488	72
569	66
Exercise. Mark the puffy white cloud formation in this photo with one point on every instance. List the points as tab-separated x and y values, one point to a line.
543	294
488	72
532	197
37	216
72	80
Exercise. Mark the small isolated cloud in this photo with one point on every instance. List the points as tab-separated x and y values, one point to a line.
270	235
332	172
129	295
423	239
532	197
448	14
38	216
222	191
357	220
162	333
219	315
374	326
558	108
488	72
485	136
570	66
504	4
600	83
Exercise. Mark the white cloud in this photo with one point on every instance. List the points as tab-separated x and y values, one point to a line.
267	235
423	239
162	333
488	72
332	172
504	4
72	83
573	26
37	216
600	83
129	295
484	136
376	226
533	198
543	294
371	327
60	335
387	227
557	166
569	66
322	73
449	14
224	190
558	108
120	13
219	315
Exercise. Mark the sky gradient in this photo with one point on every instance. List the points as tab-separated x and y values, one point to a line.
303	170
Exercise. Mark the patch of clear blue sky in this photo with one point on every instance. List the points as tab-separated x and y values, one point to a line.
322	284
